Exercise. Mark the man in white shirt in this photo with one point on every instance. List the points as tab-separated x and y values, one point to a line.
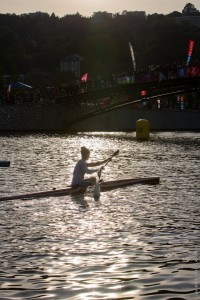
81	168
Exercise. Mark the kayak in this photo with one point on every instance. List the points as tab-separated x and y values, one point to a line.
4	163
126	182
104	186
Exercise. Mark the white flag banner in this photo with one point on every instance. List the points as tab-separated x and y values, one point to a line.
132	56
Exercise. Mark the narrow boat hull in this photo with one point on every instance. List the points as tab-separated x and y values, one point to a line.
126	182
104	187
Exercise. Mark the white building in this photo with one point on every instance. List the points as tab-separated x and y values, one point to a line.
71	63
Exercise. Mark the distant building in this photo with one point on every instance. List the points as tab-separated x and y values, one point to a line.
37	13
101	16
141	14
71	63
190	15
193	20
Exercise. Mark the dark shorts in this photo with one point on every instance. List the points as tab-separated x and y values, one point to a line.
84	184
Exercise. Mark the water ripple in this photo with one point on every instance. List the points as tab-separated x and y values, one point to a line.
139	242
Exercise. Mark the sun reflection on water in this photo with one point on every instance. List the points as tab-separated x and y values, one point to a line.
129	244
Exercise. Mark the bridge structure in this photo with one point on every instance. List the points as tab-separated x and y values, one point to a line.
137	96
110	107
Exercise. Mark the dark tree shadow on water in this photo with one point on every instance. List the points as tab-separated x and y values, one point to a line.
79	199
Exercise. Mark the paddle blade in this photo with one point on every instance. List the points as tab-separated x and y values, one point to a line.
97	190
115	153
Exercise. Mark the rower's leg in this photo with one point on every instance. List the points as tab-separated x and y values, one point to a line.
78	190
90	181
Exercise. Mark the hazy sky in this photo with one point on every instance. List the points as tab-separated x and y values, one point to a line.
87	7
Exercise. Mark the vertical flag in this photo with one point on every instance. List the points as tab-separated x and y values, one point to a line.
84	77
190	49
132	56
9	88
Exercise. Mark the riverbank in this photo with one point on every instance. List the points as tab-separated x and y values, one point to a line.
56	117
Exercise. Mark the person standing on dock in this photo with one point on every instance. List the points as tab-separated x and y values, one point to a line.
81	168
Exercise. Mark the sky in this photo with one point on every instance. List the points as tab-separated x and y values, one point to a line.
88	7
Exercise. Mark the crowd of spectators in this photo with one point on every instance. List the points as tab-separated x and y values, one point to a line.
79	93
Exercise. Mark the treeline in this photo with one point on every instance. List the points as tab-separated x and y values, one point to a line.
39	41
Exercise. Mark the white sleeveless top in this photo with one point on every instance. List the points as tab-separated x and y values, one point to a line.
79	171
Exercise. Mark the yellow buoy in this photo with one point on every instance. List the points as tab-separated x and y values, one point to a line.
142	129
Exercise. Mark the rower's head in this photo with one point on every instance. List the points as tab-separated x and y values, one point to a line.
85	153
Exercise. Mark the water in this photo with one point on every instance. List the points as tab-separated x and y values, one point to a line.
138	242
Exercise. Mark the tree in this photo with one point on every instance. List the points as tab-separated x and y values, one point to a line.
190	9
40	41
175	14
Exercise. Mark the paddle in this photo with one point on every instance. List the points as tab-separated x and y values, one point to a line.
97	184
108	160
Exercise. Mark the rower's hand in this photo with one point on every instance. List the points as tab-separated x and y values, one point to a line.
99	171
109	159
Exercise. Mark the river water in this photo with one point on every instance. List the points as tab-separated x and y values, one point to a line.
138	242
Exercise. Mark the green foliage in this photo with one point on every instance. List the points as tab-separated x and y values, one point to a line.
32	41
190	9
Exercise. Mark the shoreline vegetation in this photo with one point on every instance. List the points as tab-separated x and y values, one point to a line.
34	45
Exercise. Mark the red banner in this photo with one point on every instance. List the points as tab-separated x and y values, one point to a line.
84	77
190	49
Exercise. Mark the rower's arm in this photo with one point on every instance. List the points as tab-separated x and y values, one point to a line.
96	164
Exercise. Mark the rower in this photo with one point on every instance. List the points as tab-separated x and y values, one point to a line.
81	168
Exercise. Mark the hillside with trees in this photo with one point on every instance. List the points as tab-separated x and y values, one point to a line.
39	41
